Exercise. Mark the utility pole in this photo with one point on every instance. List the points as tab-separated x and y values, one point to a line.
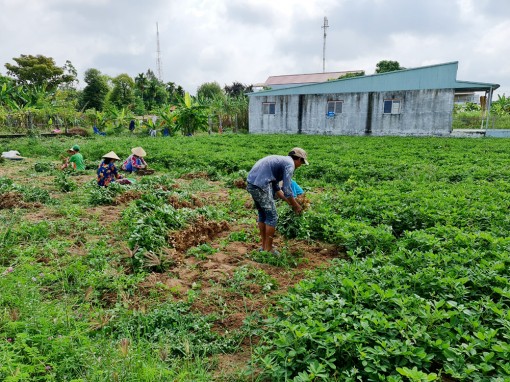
325	26
158	59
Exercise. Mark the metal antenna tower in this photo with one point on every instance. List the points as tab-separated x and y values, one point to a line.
158	59
325	26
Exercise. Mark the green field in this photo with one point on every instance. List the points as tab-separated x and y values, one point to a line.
397	271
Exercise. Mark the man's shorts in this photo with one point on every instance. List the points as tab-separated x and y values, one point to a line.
264	202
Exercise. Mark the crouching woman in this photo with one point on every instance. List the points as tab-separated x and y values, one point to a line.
135	161
107	172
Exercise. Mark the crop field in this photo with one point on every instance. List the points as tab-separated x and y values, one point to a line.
397	270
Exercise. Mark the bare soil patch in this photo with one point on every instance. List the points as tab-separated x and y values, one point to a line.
200	232
13	199
177	202
128	196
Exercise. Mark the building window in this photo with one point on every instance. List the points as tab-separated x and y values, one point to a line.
392	106
268	108
334	107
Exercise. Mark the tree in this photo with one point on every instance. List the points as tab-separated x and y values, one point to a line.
122	94
175	93
94	93
237	89
141	84
209	91
218	106
352	75
41	71
238	107
70	70
385	66
155	92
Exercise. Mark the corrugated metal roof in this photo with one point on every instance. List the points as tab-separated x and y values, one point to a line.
441	76
305	78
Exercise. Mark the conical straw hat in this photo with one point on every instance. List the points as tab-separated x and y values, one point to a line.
138	151
111	155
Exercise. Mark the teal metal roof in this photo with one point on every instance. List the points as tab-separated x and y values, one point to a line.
441	76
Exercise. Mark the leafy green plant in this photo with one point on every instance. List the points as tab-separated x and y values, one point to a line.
190	116
64	183
186	333
6	184
281	259
34	194
241	236
247	280
104	195
43	167
424	293
202	251
415	375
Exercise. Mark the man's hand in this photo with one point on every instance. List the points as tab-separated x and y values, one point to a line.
295	205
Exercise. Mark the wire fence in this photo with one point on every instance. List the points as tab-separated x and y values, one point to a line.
460	121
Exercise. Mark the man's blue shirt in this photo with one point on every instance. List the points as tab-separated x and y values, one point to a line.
271	170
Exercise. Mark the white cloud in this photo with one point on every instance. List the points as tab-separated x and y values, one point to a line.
247	41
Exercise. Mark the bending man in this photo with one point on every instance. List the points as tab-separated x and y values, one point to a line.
263	182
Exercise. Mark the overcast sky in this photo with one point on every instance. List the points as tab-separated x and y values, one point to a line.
249	40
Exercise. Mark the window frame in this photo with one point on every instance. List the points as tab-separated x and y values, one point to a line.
394	109
335	107
267	107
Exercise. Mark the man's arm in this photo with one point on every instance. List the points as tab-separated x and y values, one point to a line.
291	201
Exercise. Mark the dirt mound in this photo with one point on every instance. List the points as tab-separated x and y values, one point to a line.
14	200
200	232
177	202
128	196
175	286
78	131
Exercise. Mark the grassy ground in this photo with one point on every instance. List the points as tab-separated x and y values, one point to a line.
80	301
399	268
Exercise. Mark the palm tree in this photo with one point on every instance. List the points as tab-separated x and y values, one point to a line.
141	84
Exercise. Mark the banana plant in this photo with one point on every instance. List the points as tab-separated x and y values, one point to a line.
501	106
190	115
168	121
119	118
101	119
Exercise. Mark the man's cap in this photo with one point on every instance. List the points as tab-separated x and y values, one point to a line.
138	151
111	155
300	153
74	148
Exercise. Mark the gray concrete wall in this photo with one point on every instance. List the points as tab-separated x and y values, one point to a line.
424	112
502	133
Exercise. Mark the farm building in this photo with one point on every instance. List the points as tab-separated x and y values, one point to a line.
416	101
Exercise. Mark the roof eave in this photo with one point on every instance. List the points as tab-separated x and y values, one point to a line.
475	86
